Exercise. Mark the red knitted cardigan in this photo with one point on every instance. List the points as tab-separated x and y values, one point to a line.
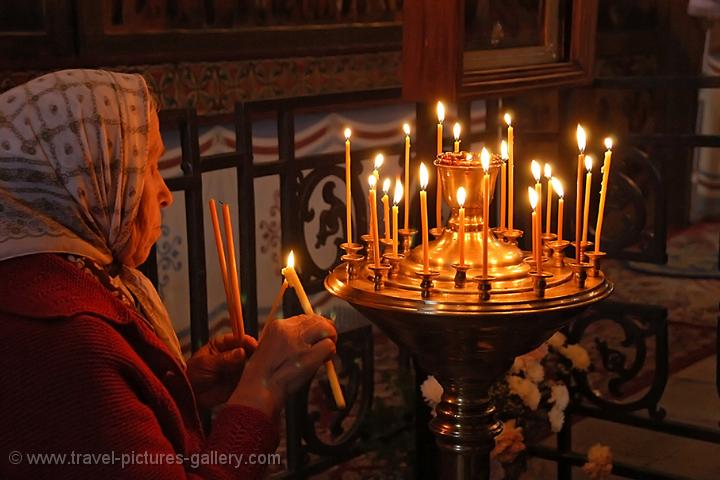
81	375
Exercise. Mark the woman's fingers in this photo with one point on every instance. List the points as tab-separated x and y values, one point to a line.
233	360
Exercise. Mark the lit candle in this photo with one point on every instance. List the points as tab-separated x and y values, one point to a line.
348	197
460	195
372	181
386	208
424	178
535	168
379	160
581	140
438	199
511	169
548	176
588	179
557	186
406	129
456	134
503	183
485	162
532	194
603	192
396	201
294	281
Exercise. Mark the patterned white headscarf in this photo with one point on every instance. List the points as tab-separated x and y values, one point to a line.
73	152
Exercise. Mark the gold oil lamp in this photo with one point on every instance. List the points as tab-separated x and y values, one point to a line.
467	333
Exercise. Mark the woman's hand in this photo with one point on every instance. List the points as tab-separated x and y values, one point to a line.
215	369
288	355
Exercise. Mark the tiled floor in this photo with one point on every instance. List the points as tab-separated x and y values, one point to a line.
691	397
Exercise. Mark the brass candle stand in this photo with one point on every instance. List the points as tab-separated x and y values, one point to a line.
463	327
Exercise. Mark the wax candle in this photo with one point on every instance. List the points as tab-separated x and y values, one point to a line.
588	179
557	186
548	175
581	140
533	196
511	168
348	196
396	201
438	199
485	163
406	129
386	208
372	199
424	178
379	160
503	183
232	271
229	299
460	196
456	134
535	168
603	192
294	281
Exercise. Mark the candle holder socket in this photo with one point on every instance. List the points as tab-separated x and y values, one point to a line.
379	271
585	246
406	236
394	261
460	274
595	258
512	236
580	273
530	261
499	233
437	231
427	281
547	239
558	252
353	261
386	247
539	281
485	286
369	246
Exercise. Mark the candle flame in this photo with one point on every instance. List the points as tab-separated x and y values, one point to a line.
535	168
456	131
588	163
372	181
424	176
608	143
558	187
508	119
532	194
398	191
581	138
348	132
460	195
379	159
485	159
547	170
440	112
291	260
406	128
386	186
469	156
504	150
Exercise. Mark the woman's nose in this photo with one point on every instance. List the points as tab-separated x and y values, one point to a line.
166	196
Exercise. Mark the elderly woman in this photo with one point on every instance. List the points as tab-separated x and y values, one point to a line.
91	368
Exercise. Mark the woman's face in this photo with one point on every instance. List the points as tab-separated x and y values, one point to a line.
155	195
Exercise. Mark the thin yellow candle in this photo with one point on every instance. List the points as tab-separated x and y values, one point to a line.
372	200
557	186
581	140
603	192
379	160
460	195
588	180
485	162
532	195
511	169
232	272
294	281
396	201
348	196
386	208
548	175
456	134
535	168
438	199
406	129
424	178
503	183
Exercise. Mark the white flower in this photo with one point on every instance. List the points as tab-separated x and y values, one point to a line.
599	463
578	356
532	369
525	389
557	341
431	391
509	443
556	417
560	396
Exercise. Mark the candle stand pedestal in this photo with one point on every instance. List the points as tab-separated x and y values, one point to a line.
595	258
